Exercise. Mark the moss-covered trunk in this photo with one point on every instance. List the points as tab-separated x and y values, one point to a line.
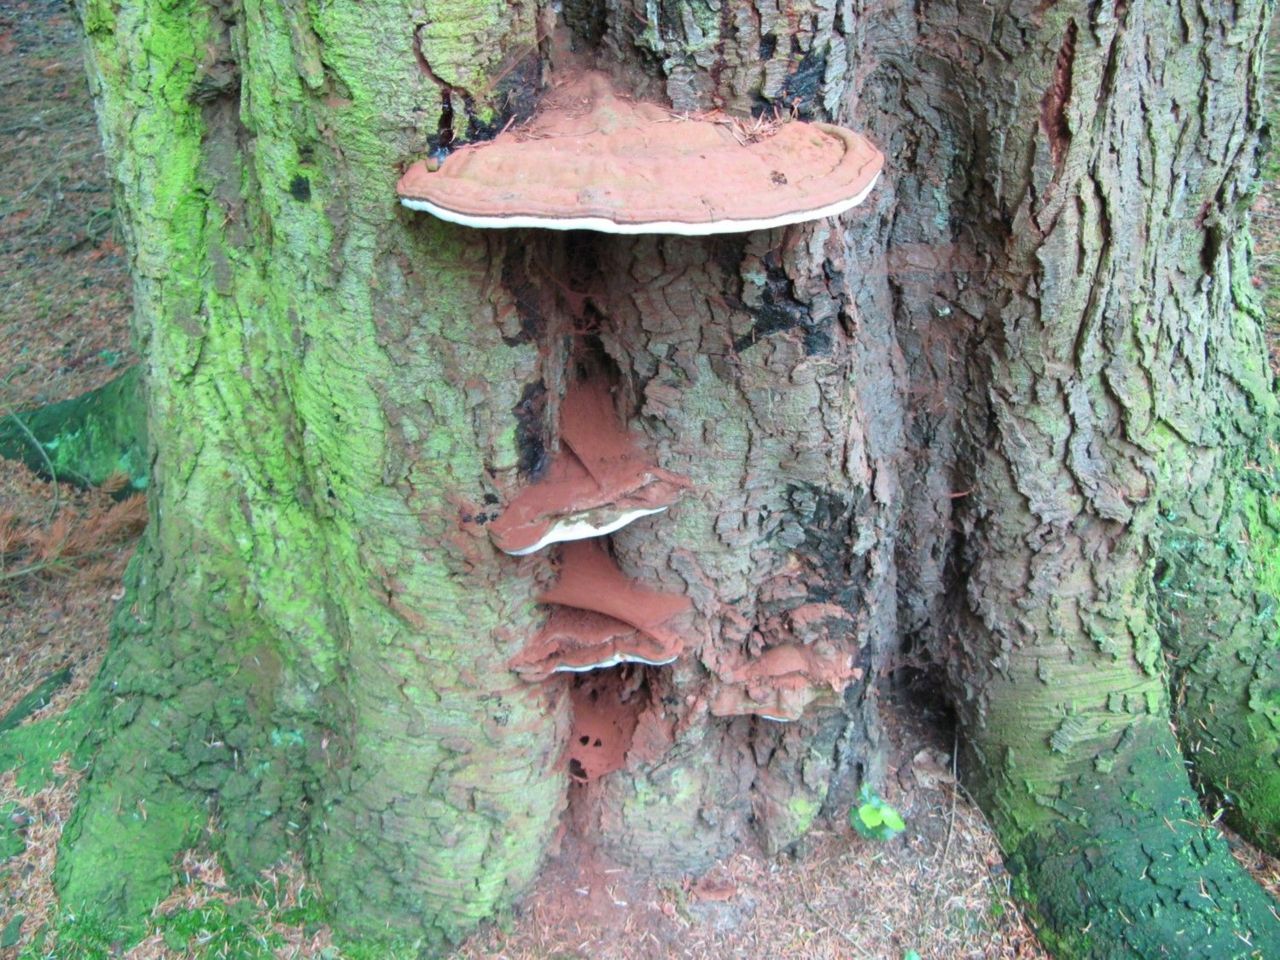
313	650
955	416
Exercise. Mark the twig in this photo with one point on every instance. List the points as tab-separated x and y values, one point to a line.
31	439
55	563
951	814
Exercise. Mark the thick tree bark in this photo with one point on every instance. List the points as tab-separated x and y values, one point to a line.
1105	201
960	415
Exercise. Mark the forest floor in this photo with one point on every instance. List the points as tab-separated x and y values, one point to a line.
939	890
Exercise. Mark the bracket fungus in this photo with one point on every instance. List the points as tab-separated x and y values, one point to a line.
602	619
575	641
592	159
598	483
780	683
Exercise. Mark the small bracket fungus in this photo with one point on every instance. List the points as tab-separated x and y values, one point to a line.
598	483
592	159
781	682
575	641
603	619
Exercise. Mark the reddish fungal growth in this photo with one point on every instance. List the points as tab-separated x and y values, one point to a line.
574	641
598	483
590	580
782	682
602	619
594	160
605	716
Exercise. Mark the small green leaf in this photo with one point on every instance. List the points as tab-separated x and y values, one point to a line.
870	815
12	931
892	819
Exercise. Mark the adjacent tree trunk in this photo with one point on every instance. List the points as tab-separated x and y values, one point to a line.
963	414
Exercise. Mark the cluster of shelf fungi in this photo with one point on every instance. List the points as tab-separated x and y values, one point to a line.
594	160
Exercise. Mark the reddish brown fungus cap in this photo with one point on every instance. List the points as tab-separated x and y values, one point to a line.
594	160
598	483
575	641
590	580
601	619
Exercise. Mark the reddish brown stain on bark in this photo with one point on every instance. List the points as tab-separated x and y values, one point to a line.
1053	108
781	682
605	714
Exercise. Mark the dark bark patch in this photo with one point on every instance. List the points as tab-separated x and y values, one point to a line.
780	311
443	137
515	277
300	189
829	520
530	432
802	89
1053	108
586	19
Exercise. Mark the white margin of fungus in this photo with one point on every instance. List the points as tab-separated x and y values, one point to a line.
613	662
570	529
605	225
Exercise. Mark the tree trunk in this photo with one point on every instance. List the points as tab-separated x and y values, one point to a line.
957	415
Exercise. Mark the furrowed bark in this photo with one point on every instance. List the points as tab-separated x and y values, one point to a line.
1217	583
746	361
1077	432
965	414
313	652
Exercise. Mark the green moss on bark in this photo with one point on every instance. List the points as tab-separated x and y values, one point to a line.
1140	873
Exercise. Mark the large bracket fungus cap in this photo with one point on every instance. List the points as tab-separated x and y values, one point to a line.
594	160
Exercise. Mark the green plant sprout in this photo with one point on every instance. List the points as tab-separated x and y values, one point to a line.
873	818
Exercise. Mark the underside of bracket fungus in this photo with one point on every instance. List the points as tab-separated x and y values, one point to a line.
601	619
782	682
592	159
598	483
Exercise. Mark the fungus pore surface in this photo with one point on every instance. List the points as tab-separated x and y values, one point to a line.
594	159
